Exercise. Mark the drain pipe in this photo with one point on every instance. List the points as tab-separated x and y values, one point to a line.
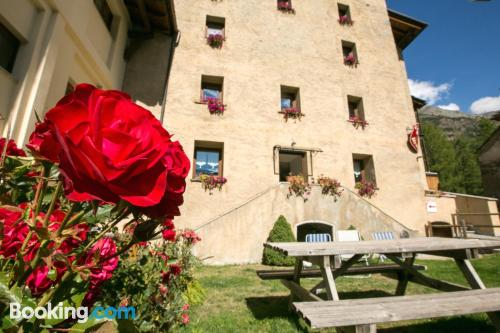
175	42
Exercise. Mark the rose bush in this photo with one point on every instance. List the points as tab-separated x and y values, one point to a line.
98	162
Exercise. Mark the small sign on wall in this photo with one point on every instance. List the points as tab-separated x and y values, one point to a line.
432	207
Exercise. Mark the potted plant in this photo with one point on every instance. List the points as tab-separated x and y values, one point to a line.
215	106
330	186
345	20
357	122
215	40
210	183
350	59
366	188
298	187
285	6
293	113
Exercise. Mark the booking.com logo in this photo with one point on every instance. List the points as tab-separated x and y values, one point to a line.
81	313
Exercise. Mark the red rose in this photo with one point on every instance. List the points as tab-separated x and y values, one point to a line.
101	271
13	231
109	148
175	269
168	234
12	149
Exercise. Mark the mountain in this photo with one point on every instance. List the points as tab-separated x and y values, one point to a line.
455	123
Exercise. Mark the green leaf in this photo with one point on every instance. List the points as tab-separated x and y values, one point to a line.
92	324
12	295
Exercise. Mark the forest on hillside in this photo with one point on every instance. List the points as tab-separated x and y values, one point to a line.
456	160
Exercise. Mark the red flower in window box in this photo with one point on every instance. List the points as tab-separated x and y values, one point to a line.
215	106
210	183
285	6
215	40
366	188
350	60
357	122
345	20
293	113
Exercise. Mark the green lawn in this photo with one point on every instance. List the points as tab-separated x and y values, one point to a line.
238	301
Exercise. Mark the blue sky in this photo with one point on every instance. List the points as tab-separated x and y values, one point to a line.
455	62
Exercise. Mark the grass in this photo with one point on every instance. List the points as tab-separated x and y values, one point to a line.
238	301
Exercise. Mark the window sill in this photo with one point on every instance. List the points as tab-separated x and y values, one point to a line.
195	180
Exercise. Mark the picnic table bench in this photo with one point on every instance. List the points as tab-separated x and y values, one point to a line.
363	315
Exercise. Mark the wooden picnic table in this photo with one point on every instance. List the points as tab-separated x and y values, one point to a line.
328	256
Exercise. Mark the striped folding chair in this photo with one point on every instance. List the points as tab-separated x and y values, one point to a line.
318	238
383	235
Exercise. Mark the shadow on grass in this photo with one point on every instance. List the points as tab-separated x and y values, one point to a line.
446	325
274	307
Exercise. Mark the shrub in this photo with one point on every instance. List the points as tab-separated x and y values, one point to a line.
281	232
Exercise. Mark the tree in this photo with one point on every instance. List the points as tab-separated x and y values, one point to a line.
468	166
281	232
441	158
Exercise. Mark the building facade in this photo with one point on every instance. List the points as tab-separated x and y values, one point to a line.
270	57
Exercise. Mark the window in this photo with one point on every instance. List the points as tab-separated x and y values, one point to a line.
292	163
290	98
364	169
70	87
215	25
105	12
356	109
208	158
344	14
350	53
9	45
211	87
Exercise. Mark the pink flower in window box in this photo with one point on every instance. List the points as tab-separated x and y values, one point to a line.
293	113
345	20
215	40
285	6
210	183
366	188
350	59
215	106
357	122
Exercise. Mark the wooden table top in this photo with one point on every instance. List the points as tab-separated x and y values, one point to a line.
410	245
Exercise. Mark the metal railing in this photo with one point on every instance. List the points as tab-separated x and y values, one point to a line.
459	227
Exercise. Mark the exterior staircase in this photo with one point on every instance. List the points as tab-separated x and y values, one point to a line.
237	235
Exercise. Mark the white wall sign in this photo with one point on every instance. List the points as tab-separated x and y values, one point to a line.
432	207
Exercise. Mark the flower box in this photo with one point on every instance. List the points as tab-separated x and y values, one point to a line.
366	188
293	113
357	122
215	106
345	20
215	40
210	183
298	187
286	6
350	60
330	186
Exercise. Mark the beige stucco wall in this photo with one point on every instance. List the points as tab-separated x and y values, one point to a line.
455	203
264	49
61	40
237	235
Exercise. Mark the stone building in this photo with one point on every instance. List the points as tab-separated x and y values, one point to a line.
338	63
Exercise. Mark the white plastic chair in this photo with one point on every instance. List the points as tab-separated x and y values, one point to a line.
350	236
